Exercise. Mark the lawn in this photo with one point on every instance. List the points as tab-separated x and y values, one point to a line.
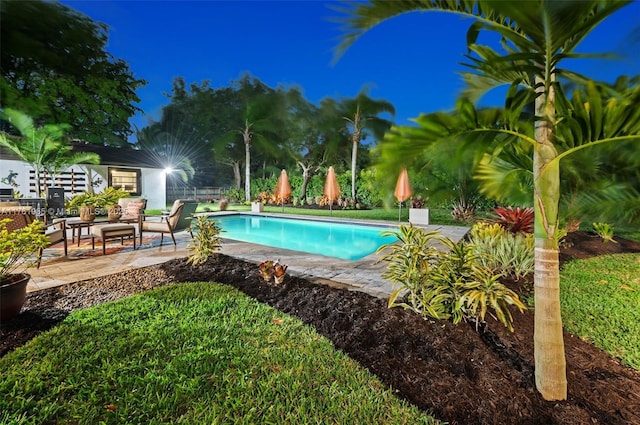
192	354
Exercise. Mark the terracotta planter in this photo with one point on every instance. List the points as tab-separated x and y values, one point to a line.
87	213
114	212
13	293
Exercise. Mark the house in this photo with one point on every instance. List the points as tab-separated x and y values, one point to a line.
120	167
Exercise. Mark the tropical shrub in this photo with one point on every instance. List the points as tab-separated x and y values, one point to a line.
18	246
109	196
515	220
206	240
501	251
463	211
605	231
451	284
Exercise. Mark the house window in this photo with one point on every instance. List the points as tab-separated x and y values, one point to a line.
126	179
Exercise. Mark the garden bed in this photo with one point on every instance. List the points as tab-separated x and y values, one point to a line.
460	375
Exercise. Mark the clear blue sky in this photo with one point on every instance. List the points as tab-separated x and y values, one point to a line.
410	60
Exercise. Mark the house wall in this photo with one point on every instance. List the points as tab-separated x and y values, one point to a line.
75	181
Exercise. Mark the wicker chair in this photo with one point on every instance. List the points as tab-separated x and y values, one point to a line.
23	216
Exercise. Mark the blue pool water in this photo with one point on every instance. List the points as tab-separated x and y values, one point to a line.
345	241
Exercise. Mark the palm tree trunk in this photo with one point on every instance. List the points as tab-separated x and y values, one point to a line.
549	354
354	156
247	161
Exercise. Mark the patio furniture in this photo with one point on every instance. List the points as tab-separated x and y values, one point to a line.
110	231
132	208
22	216
179	218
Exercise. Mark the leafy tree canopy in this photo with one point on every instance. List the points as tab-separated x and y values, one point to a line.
54	67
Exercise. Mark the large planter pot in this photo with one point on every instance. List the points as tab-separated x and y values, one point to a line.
87	213
256	207
13	293
419	216
114	212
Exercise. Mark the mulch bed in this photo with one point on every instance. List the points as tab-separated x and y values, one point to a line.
462	376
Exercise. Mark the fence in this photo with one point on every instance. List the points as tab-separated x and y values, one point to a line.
202	194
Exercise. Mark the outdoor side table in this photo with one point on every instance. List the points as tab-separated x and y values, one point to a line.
110	231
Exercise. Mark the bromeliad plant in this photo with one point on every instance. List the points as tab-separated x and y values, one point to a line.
272	270
450	285
18	247
515	220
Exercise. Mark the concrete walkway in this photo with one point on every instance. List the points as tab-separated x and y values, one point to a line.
363	275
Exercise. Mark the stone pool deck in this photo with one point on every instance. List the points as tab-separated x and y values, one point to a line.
362	275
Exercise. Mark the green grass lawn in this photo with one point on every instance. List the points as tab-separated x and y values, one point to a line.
600	300
190	354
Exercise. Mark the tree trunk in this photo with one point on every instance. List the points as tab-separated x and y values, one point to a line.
306	176
236	174
354	156
247	160
549	354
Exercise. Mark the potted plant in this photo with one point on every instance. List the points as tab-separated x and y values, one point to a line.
18	249
418	211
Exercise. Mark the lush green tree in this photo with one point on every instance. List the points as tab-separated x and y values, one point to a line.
537	38
44	148
55	68
257	117
361	114
315	135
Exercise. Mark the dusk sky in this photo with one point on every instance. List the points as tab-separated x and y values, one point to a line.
410	60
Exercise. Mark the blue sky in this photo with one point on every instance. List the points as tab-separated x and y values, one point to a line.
410	60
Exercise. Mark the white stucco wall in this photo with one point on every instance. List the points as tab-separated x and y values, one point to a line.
153	181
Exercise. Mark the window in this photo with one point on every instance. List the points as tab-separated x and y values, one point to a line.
126	179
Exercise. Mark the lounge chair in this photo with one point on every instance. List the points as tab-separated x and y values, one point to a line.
179	218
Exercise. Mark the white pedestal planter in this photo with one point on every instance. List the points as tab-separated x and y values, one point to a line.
256	207
419	216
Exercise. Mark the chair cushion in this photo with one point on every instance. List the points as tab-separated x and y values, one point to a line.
112	230
55	235
155	226
133	208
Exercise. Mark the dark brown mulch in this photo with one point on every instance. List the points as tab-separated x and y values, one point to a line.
462	376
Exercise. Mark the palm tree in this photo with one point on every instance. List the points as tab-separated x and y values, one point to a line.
537	38
41	147
361	114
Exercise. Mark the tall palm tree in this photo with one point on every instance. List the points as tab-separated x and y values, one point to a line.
361	114
41	147
537	38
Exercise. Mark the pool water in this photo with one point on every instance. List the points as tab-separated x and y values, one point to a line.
339	240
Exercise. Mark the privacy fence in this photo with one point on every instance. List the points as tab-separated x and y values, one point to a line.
202	194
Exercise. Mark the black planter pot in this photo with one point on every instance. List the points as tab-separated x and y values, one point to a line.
13	293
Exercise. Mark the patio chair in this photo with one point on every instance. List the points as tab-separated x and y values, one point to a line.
132	208
23	216
179	218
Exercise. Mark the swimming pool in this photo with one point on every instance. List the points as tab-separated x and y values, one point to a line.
333	239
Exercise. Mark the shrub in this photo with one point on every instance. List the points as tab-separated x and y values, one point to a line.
451	284
515	220
205	242
503	252
605	231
